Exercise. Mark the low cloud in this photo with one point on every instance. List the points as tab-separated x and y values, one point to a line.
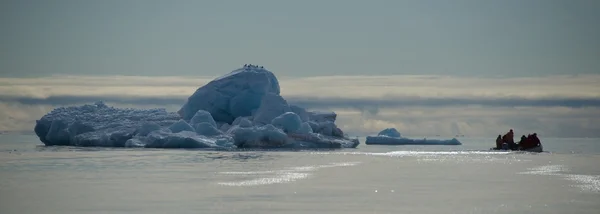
370	104
425	105
390	102
74	100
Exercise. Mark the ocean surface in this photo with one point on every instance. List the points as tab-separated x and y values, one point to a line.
369	179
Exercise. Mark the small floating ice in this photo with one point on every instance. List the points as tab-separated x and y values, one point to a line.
391	136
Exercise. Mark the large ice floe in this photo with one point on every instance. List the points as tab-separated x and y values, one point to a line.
391	136
242	109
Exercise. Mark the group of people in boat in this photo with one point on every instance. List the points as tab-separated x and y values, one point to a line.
252	66
527	142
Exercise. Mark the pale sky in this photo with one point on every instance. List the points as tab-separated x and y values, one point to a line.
299	38
425	67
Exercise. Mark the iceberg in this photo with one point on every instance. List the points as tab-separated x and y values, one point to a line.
242	109
391	136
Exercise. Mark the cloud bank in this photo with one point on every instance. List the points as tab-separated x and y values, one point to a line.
417	105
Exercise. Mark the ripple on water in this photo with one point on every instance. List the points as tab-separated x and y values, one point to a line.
281	176
546	170
587	183
504	157
416	153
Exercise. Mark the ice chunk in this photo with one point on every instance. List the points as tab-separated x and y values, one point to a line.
337	132
134	142
225	141
58	133
267	136
245	103
98	122
390	132
304	129
272	105
146	128
225	127
78	128
118	137
113	137
314	140
325	128
301	112
164	138
319	116
236	94
207	129
183	139
313	125
99	139
245	123
202	116
391	136
242	122
180	126
288	122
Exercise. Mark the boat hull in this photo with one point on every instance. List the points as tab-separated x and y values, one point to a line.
534	149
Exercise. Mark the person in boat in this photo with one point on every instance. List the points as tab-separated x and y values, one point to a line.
512	145
522	142
508	138
535	140
530	142
499	142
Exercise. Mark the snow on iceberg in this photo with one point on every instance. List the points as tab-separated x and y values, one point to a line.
391	136
241	109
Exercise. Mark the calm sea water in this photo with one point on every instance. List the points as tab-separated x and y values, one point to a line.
369	179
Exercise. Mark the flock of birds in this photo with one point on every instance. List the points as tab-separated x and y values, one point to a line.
253	66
